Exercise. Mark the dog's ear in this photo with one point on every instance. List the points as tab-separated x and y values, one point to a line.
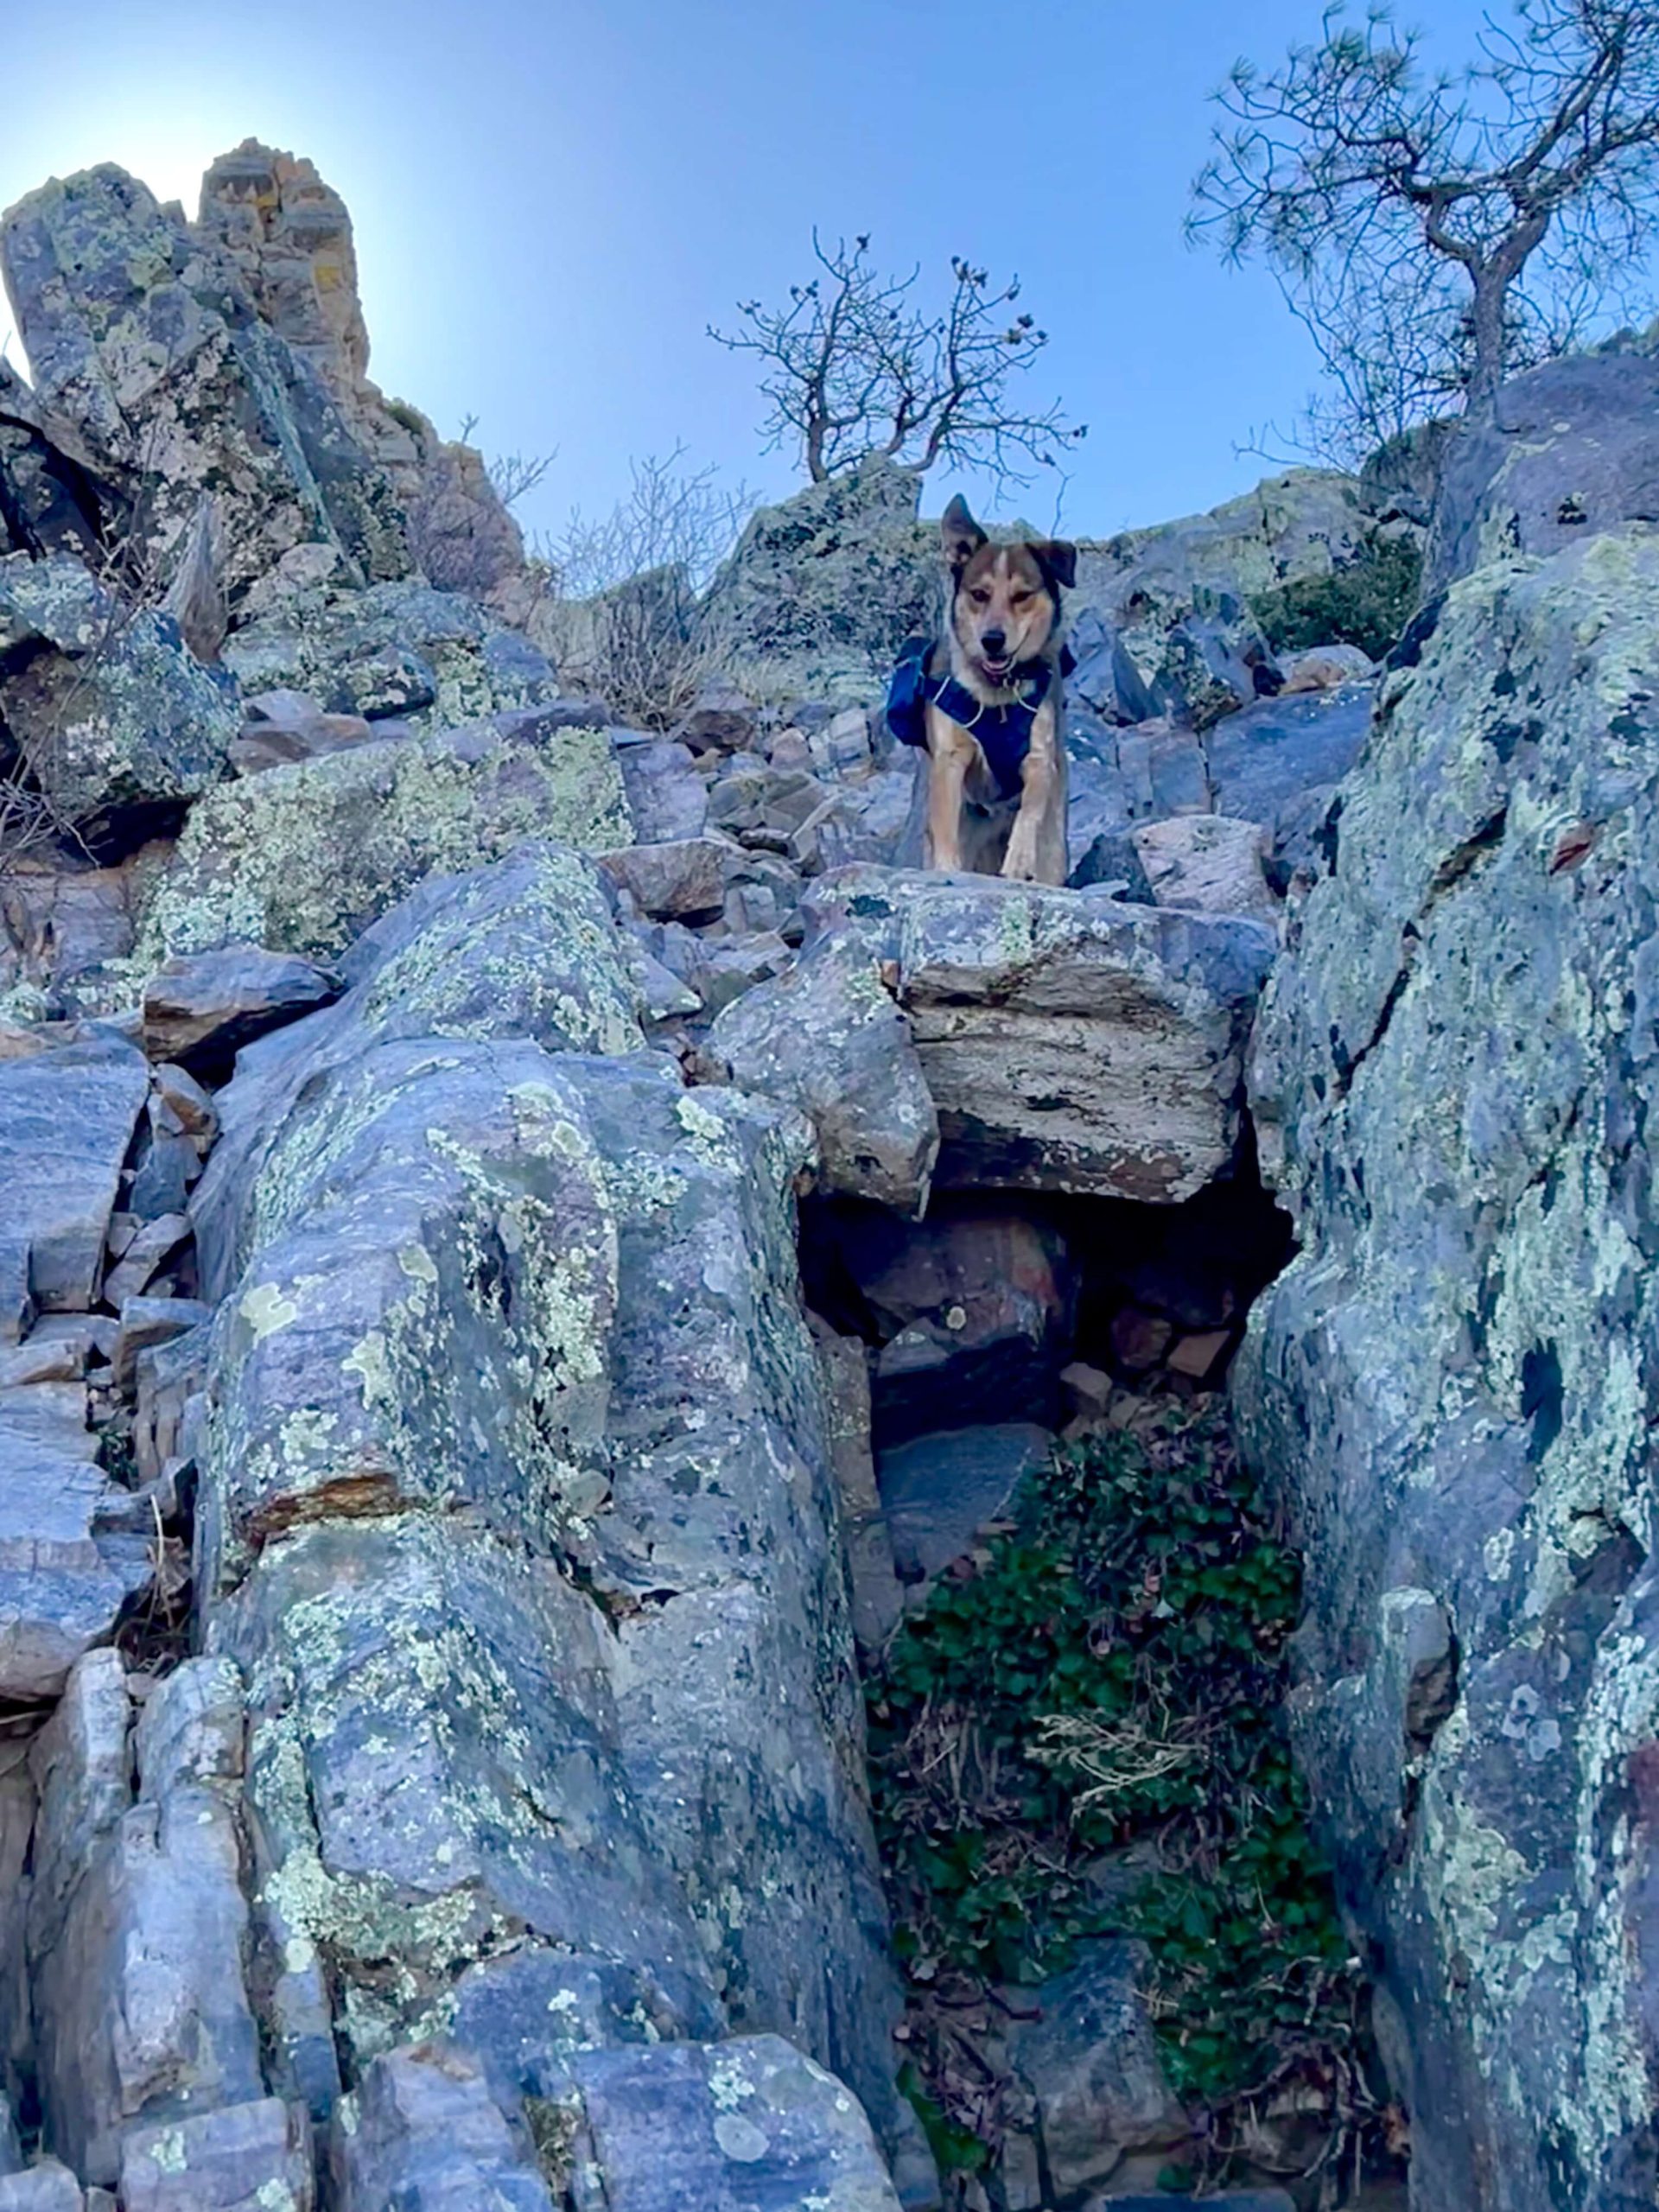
1057	559
960	535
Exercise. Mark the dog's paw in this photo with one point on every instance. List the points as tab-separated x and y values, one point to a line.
1021	863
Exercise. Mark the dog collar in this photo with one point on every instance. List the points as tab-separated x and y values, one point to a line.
1003	733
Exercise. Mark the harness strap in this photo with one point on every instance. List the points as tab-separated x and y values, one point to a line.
1003	733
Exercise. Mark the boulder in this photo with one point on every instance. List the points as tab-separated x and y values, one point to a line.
432	658
683	880
303	858
422	2134
667	798
1323	668
1069	1043
113	717
1259	762
66	1121
1572	449
51	498
140	332
251	2158
136	1944
200	1008
822	590
939	1493
1089	2061
1451	1386
827	1038
752	2121
1303	524
505	1514
1206	864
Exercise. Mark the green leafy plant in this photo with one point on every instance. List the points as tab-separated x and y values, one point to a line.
1366	602
1102	1691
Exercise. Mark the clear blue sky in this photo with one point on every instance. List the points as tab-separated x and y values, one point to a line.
553	197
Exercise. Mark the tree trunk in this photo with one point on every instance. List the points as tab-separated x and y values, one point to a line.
1486	377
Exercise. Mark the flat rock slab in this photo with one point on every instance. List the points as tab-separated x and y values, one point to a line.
200	1009
939	1491
45	2188
1068	1042
67	1119
752	2125
63	1581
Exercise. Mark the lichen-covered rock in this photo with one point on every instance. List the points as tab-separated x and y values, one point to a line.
200	1008
51	499
140	332
515	1483
1571	447
251	2158
431	658
1302	524
303	858
114	717
748	2122
827	1038
1453	1384
1069	1043
821	591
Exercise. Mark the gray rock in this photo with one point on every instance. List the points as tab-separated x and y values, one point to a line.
155	1242
827	1037
67	1119
48	2187
65	1578
1206	864
53	501
1068	1042
751	2122
667	796
1572	449
247	2157
823	590
140	332
149	1321
1090	2064
1110	862
200	1008
491	1513
1259	762
1301	525
684	880
136	1942
423	2134
721	720
114	717
434	659
12	2156
1451	1385
941	1492
303	858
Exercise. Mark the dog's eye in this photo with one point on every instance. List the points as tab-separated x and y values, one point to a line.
981	598
1024	597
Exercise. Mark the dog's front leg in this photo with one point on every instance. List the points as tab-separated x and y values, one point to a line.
1039	787
949	755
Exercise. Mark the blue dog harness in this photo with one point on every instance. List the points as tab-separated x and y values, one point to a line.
1003	733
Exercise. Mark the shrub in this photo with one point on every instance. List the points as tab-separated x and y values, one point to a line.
1366	602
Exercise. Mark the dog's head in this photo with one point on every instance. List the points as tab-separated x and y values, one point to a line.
1005	599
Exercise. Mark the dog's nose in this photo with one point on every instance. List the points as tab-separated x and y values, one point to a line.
994	641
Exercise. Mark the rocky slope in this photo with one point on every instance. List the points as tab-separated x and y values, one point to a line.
531	1242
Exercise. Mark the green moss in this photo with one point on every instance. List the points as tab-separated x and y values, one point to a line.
1366	601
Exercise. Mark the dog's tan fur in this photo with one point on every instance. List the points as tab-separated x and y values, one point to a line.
1009	595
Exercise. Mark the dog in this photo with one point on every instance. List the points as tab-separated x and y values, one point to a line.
985	702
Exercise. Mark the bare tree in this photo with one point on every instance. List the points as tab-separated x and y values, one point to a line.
1437	233
854	366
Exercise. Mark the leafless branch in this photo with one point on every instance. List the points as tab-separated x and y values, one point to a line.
854	366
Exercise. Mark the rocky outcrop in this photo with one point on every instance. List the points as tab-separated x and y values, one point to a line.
1571	449
303	859
1453	1383
140	331
516	1483
1066	1042
113	718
